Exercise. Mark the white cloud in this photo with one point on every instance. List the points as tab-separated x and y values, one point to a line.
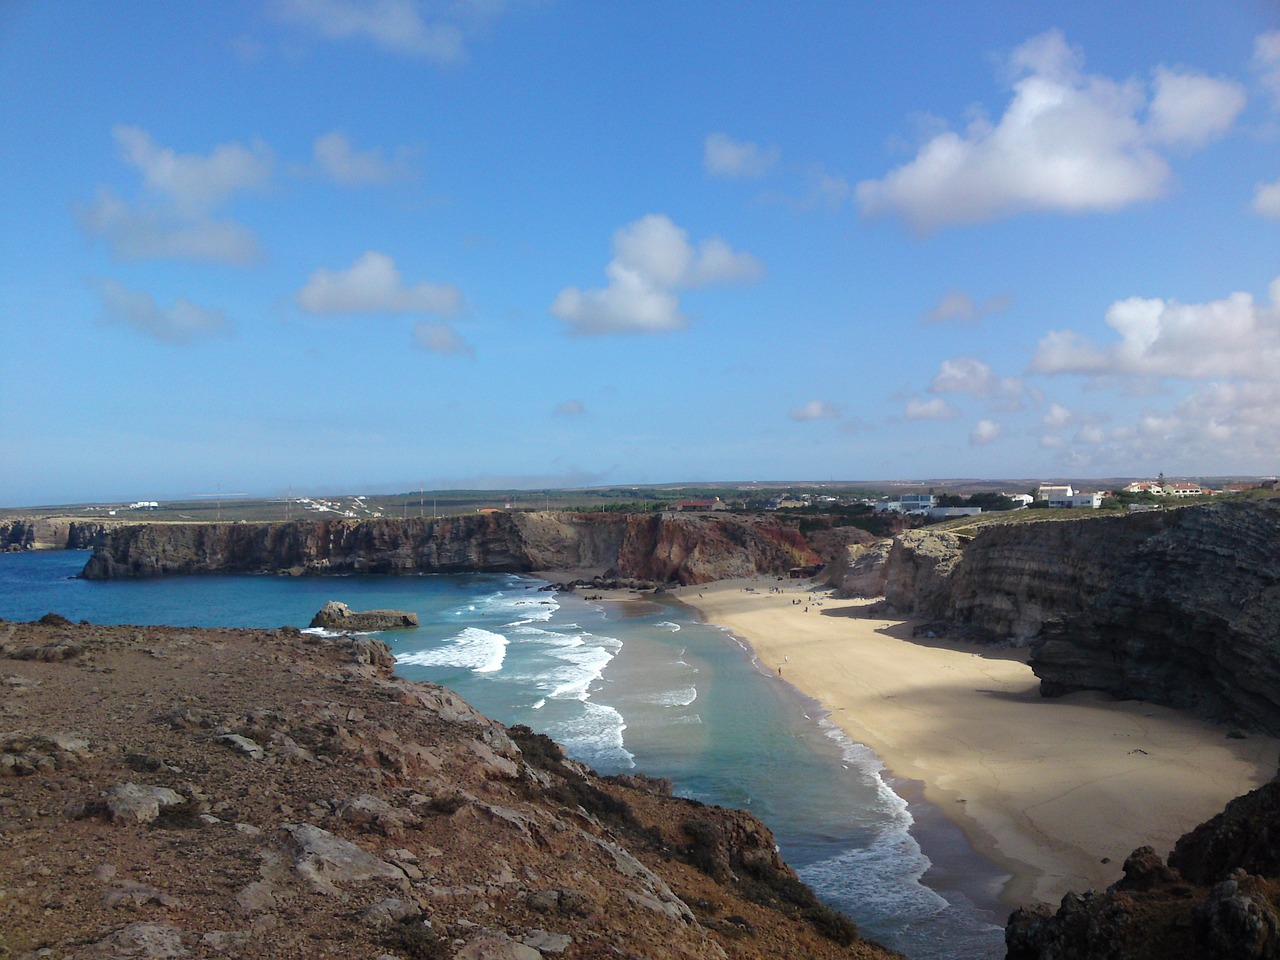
1230	338
372	284
723	156
183	323
964	375
335	159
1266	200
984	432
970	375
570	409
439	338
935	409
958	306
1067	141
653	259
1057	417
1266	60
175	218
394	25
815	410
1190	109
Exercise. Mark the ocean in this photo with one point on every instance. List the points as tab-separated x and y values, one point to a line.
623	686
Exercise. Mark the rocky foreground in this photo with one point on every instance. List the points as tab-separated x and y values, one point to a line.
222	793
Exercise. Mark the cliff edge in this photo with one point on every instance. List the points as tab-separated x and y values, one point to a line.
242	793
686	549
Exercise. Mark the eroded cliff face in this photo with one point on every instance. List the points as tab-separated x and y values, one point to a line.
245	793
1181	607
51	534
1217	898
662	548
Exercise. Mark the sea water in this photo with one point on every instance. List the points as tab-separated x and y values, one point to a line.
623	686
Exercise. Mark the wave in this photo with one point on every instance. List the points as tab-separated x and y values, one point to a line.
475	649
673	627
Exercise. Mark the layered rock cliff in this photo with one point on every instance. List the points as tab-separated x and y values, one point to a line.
51	534
241	793
1180	607
1217	898
686	549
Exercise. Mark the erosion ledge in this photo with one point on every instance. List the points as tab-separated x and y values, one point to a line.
214	793
687	549
52	533
1180	607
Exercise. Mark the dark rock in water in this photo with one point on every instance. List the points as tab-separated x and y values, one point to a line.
338	616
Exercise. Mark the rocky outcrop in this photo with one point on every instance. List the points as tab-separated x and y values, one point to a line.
1180	607
1218	898
685	549
51	534
277	794
335	615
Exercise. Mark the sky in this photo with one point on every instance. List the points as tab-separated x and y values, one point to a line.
363	246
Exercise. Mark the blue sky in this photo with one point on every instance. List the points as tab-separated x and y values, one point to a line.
335	245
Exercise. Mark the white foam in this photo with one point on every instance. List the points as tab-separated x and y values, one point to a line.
882	878
673	627
862	757
475	649
680	697
595	736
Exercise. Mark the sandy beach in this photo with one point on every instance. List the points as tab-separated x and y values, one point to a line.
1056	792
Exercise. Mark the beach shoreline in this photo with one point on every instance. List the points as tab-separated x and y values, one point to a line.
1055	793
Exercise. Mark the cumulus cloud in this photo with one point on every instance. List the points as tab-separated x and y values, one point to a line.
984	432
570	409
372	284
959	307
1266	61
1190	109
935	409
969	375
815	410
396	26
1232	338
1057	416
336	159
653	259
722	156
174	219
439	338
1266	200
1067	141
182	323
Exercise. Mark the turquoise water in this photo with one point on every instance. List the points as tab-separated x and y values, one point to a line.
623	686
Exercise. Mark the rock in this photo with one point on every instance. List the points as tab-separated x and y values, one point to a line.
338	616
545	942
496	946
323	859
140	940
134	803
391	911
246	746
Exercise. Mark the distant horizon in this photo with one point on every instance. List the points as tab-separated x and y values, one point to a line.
394	491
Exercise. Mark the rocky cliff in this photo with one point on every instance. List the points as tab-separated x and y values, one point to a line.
687	549
1181	607
240	793
1217	898
51	534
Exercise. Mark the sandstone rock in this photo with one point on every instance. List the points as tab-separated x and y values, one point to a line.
338	616
246	746
140	940
323	859
135	803
496	946
545	942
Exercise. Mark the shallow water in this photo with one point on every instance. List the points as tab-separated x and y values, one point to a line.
622	686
